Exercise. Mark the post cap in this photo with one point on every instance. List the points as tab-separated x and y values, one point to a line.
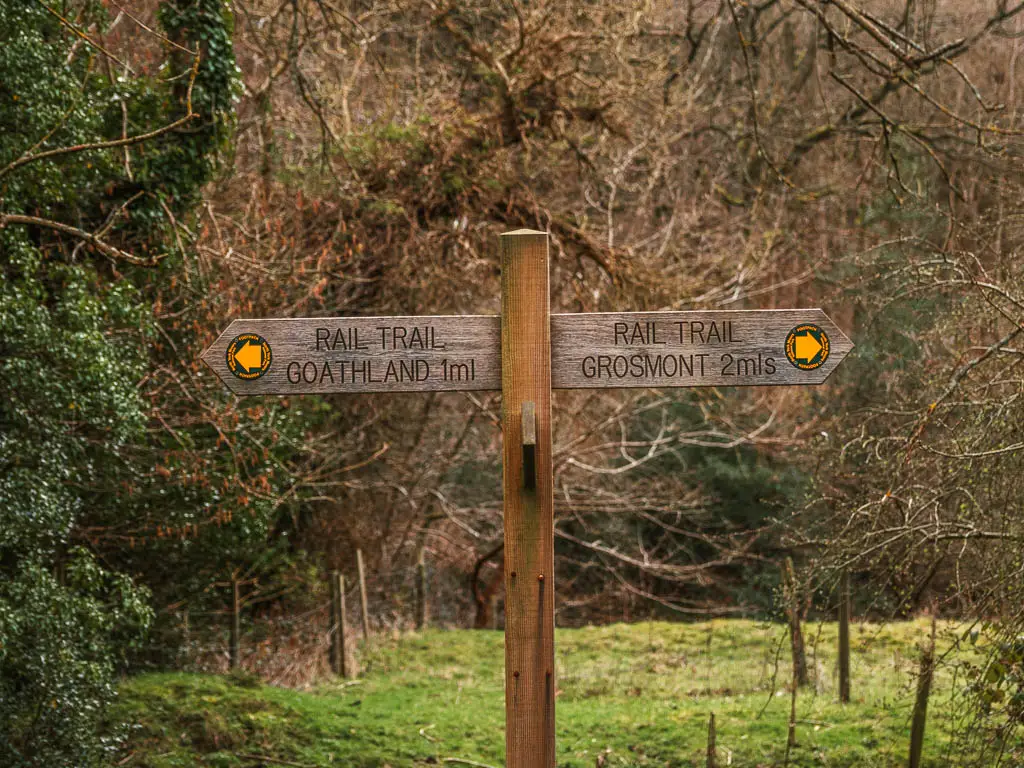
523	232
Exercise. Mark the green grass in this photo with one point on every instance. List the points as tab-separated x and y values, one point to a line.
632	694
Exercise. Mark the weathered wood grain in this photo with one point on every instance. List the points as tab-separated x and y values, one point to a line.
528	506
588	351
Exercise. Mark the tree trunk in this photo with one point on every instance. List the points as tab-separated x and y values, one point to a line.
845	612
482	595
796	635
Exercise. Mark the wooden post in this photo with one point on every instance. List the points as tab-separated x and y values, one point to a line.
362	594
920	716
186	630
529	502
343	666
335	657
233	651
422	609
791	734
796	636
712	761
845	610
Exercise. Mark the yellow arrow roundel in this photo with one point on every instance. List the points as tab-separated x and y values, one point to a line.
807	347
248	356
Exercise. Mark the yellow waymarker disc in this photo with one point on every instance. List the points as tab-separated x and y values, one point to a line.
807	347
248	356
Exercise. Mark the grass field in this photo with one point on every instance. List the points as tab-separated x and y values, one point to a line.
635	694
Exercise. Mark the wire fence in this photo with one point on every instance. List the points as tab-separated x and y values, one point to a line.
286	639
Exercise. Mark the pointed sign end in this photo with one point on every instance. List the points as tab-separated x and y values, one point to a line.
208	355
209	360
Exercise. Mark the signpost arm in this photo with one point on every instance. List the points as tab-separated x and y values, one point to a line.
529	511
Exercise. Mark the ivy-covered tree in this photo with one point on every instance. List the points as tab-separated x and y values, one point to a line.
98	158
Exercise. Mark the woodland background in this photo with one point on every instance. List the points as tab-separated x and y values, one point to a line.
168	166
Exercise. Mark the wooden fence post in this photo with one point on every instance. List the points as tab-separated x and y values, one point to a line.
528	501
791	735
335	657
845	609
343	665
186	630
233	651
712	761
791	595
362	594
422	609
920	716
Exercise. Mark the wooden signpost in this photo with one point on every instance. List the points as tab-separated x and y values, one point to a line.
588	351
525	353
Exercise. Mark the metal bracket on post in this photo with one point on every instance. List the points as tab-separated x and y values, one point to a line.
529	446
